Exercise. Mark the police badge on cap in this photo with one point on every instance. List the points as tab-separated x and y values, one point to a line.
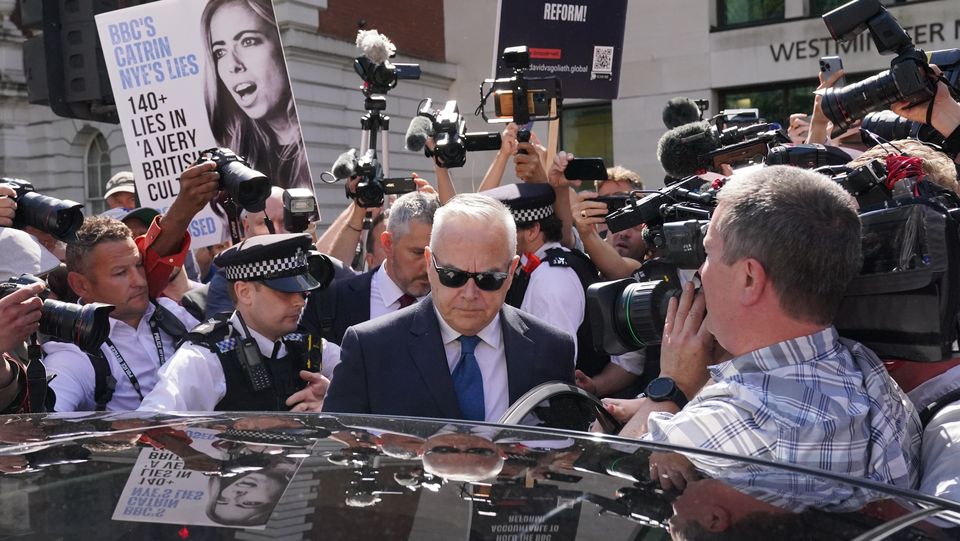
279	261
528	203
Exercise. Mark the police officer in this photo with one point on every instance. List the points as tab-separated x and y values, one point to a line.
252	359
551	280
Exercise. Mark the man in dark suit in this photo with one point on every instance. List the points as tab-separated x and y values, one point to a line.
461	353
398	283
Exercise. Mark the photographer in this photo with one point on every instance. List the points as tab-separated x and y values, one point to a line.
942	113
20	318
793	391
107	265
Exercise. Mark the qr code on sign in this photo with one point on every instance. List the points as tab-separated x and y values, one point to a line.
602	59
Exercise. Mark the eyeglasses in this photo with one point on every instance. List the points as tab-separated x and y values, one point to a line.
487	281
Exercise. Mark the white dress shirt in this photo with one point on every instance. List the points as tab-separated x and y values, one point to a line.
193	380
384	294
491	356
75	380
555	295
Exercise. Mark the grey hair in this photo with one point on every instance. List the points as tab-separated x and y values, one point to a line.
480	208
802	227
411	207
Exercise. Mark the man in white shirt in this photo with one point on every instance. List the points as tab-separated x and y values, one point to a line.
398	283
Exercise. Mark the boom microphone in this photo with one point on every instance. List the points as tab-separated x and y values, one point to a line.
680	148
680	111
346	164
375	46
421	128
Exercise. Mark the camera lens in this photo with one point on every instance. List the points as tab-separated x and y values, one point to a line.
87	326
248	187
851	103
59	217
641	310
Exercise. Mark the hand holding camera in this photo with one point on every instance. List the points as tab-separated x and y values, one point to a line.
528	161
8	206
19	316
944	115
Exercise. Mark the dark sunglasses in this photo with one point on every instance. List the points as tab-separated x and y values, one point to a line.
487	281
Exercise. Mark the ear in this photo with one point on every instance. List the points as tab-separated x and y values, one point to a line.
753	281
245	292
718	519
80	284
386	240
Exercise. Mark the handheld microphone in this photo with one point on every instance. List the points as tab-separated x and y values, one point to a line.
679	149
420	129
346	165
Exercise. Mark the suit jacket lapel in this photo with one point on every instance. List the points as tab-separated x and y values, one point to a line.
520	352
362	288
428	355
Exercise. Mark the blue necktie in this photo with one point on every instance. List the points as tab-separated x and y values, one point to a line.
468	382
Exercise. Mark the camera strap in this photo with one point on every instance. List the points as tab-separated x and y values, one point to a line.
157	342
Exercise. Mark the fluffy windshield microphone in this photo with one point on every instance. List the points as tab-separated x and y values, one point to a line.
679	149
345	165
375	46
421	128
680	111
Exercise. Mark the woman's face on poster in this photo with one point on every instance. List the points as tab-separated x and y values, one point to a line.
248	497
249	59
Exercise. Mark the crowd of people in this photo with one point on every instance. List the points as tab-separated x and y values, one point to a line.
454	305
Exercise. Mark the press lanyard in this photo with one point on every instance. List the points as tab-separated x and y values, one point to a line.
155	331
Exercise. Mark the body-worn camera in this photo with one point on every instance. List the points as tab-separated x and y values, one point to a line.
58	217
248	187
86	325
451	141
909	78
520	99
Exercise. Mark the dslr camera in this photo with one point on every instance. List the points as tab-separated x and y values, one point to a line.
61	218
452	142
909	78
86	325
372	188
247	187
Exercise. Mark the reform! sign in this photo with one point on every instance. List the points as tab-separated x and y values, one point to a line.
579	43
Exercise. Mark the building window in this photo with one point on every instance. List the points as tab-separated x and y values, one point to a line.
746	12
587	131
819	7
775	102
98	173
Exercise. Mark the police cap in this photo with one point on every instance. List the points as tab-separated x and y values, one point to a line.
529	203
279	261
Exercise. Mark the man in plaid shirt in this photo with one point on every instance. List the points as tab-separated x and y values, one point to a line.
782	246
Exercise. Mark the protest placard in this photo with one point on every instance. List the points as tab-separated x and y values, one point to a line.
190	75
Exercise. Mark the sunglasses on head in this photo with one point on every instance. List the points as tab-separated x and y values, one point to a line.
487	281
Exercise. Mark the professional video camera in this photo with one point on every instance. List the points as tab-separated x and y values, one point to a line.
706	146
743	145
628	314
520	99
86	325
372	188
374	67
447	127
889	126
909	78
58	217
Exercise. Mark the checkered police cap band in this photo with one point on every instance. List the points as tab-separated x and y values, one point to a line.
269	268
526	216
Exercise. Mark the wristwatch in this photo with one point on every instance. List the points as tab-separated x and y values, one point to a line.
664	389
